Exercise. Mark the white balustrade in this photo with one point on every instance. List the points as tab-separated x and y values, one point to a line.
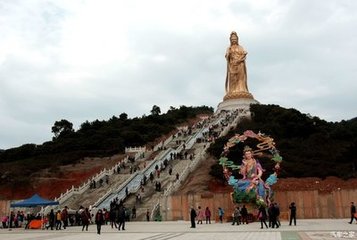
135	149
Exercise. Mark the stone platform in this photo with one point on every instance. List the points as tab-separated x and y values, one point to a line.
310	229
233	104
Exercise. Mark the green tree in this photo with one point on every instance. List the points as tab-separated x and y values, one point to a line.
85	126
123	116
62	127
155	111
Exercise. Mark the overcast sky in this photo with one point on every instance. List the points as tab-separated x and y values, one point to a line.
87	59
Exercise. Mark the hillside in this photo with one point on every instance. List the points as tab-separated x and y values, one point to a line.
72	156
310	147
316	154
50	184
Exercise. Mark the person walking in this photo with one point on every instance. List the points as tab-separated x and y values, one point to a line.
262	215
99	220
272	216
292	208
133	212
353	212
244	213
220	214
208	215
147	215
58	220
193	216
52	219
85	217
236	216
121	218
200	215
112	217
277	208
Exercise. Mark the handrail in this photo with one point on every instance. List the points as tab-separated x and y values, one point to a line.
144	171
79	190
201	155
111	191
154	209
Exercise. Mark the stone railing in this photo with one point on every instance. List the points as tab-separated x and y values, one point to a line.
135	149
187	170
182	128
115	191
237	118
155	209
145	171
101	199
81	189
229	126
133	183
138	155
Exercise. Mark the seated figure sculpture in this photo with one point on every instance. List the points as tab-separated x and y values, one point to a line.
251	170
251	187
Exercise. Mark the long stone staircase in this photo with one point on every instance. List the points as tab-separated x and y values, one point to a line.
188	145
86	199
150	197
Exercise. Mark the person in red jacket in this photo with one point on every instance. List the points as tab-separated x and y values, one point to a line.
208	215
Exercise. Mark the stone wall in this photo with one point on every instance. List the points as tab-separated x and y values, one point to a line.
310	204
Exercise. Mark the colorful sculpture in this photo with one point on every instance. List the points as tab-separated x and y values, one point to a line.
251	187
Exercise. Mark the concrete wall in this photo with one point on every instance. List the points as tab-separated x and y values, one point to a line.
310	204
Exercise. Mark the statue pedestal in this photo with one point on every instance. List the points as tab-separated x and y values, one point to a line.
233	104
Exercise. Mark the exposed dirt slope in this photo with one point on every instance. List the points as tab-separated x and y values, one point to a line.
51	185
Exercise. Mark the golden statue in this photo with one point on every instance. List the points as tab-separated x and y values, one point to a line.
236	79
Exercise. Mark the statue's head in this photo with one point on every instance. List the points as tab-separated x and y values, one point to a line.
234	38
247	149
248	152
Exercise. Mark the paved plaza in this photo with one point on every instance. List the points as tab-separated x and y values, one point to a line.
306	229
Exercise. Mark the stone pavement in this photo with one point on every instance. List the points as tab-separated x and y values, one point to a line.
315	229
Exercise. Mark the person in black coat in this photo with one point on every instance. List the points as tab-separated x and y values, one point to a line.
52	219
193	216
273	211
244	213
99	220
353	212
292	208
121	217
262	215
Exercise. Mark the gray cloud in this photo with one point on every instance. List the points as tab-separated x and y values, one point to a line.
89	60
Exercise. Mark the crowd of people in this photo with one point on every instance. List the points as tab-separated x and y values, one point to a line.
116	217
241	215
